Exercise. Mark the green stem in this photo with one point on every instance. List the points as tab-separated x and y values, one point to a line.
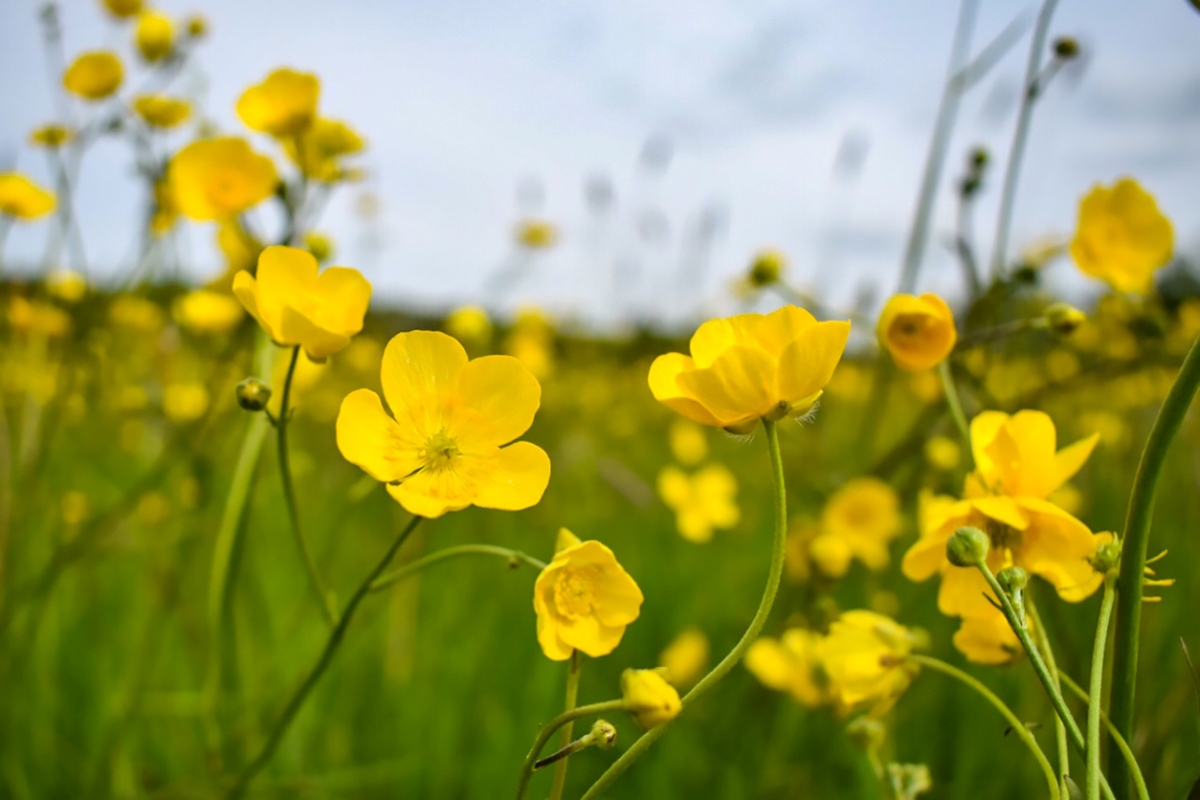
514	556
1139	782
560	769
1014	722
1133	551
1095	693
289	495
1060	730
548	730
955	403
331	647
735	655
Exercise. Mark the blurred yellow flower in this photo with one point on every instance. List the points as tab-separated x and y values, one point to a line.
470	324
865	514
38	317
22	198
241	250
205	311
123	9
66	285
747	367
215	179
988	638
196	26
1121	236
94	75
317	150
685	657
184	402
790	664
153	508
160	111
535	234
865	658
75	507
701	502
445	448
584	599
919	332
284	104
164	211
533	350
320	245
942	453
688	443
136	313
51	135
831	554
766	268
297	306
649	697
154	36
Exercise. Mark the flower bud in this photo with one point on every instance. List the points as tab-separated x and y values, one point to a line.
649	698
1063	319
253	394
1107	557
603	734
967	547
1066	47
867	733
1012	579
766	269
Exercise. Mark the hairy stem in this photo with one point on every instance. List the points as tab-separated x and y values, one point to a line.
1096	693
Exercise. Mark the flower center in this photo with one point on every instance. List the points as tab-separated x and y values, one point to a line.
1003	536
440	451
573	593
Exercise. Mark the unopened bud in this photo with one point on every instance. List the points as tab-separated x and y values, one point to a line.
1012	579
1063	319
967	547
1066	47
603	735
253	394
1107	557
867	732
978	158
767	268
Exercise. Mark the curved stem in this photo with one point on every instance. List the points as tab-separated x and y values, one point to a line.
735	655
1139	782
1095	693
1133	551
548	730
399	574
1060	730
955	403
289	495
560	769
331	647
1014	722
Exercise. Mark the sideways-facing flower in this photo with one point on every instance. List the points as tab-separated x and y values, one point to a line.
1016	455
204	311
919	332
154	36
319	149
865	514
701	502
1121	236
790	664
649	697
160	111
51	136
750	366
95	75
535	234
583	598
445	448
283	105
216	179
297	306
685	657
865	657
123	9
22	198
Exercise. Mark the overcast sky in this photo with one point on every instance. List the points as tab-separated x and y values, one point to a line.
717	119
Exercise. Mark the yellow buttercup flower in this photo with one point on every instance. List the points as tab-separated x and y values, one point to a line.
701	502
747	367
989	639
685	657
584	599
318	149
22	198
865	514
207	312
320	245
297	306
95	75
51	136
766	269
1121	237
216	179
37	317
66	285
445	448
649	697
185	402
688	444
536	234
154	36
160	111
123	9
790	664
284	104
470	324
919	332
1016	455
865	658
136	313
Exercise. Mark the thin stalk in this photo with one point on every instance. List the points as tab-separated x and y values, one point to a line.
1133	551
289	495
1014	722
413	567
553	725
1060	730
568	730
1095	693
954	403
739	650
1139	782
1016	154
331	647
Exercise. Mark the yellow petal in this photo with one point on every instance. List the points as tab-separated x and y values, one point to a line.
516	478
1002	509
717	335
1057	547
984	428
431	493
1071	459
739	386
319	343
674	487
770	663
779	329
964	591
497	400
344	296
245	288
565	539
987	640
588	635
370	439
808	363
664	385
420	370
